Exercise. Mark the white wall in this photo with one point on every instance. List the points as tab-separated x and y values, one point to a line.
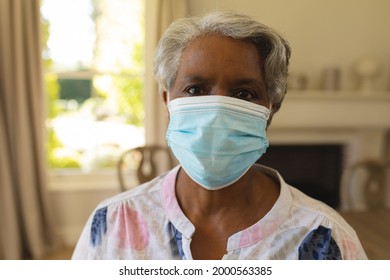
322	33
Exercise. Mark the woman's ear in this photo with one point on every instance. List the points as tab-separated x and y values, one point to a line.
165	97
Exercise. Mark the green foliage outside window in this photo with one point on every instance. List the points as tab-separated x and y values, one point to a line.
53	144
127	83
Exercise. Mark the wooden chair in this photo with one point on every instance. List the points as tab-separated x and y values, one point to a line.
365	185
142	164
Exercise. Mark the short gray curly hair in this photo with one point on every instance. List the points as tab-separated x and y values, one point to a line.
273	48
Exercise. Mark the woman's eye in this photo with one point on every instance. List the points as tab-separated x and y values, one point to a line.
245	94
195	90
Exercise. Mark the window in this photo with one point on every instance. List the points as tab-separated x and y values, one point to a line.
94	66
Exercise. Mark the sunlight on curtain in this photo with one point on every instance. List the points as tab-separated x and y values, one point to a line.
159	15
26	228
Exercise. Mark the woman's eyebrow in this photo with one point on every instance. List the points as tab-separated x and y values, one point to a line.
248	81
195	78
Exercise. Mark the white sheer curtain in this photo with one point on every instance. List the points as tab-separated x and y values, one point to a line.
159	15
26	230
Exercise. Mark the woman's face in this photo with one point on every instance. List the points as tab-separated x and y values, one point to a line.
218	65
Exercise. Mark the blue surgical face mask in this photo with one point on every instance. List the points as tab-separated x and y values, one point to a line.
216	139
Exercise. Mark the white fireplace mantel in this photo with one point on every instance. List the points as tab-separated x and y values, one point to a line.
333	117
360	122
333	110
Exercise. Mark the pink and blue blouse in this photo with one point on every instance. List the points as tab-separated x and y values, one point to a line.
147	223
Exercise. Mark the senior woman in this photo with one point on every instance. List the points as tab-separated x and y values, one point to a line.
222	77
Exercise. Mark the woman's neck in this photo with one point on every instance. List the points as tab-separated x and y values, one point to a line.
246	200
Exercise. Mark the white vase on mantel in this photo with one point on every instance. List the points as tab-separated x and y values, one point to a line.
367	69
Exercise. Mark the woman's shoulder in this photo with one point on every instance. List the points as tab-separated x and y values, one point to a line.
143	192
298	199
324	224
123	220
305	208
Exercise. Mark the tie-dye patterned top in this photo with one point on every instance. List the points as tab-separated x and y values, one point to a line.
147	223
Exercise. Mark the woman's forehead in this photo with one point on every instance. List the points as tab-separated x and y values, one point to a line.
215	56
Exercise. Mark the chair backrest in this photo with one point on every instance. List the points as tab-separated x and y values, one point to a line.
365	185
143	164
